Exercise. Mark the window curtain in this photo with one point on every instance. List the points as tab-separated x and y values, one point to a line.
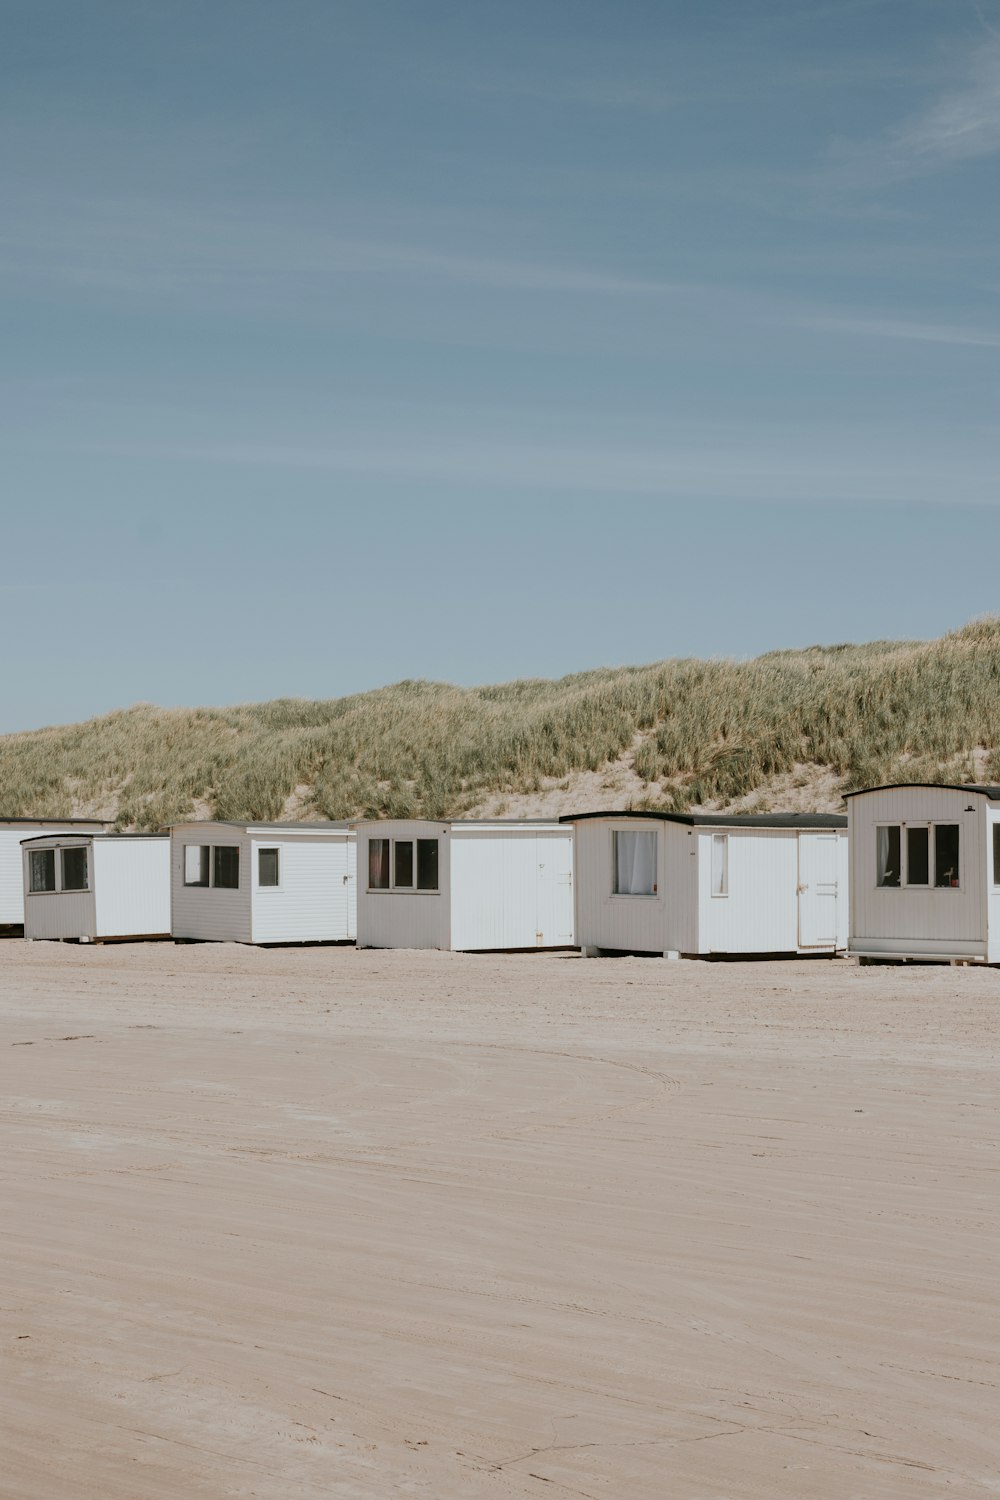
887	855
635	864
378	864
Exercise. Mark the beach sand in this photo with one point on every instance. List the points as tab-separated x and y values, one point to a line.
294	1224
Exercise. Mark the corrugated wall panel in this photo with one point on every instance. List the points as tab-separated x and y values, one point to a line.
511	888
311	903
760	913
633	924
131	879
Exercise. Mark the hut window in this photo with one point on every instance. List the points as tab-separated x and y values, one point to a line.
74	869
378	864
42	866
720	864
634	863
996	853
887	855
946	854
918	861
226	873
427	864
267	867
402	871
196	864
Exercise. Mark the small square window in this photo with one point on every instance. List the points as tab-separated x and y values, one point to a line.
226	871
267	867
74	869
196	857
42	869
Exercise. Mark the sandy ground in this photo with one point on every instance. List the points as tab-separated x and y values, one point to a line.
295	1224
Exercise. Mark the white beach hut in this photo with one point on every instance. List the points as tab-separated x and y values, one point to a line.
12	832
263	882
96	887
477	885
925	873
699	884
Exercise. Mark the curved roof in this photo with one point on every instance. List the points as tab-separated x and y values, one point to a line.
724	820
992	792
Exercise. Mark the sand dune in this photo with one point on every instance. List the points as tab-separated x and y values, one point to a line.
300	1224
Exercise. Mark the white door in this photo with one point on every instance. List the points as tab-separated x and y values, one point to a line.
818	890
554	920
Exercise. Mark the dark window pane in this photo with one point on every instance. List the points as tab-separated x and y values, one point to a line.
917	856
267	867
227	867
427	864
42	865
403	874
946	854
378	864
996	853
196	864
74	869
887	855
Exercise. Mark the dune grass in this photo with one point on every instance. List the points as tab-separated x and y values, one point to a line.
709	732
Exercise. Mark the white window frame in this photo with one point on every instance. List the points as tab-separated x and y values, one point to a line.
392	889
931	825
77	890
55	891
654	894
722	895
274	849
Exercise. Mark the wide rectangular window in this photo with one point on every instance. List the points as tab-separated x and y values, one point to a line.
378	864
196	857
402	864
720	864
634	860
74	869
427	864
918	858
267	867
226	867
887	855
42	869
946	854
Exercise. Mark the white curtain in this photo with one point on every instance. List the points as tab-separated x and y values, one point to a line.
635	864
887	855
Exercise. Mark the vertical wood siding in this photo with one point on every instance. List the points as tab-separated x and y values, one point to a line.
913	922
53	915
630	924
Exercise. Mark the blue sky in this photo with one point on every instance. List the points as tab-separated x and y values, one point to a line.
345	342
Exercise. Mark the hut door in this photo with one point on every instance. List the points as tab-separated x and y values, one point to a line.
818	890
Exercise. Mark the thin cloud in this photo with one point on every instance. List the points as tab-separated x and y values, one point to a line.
901	328
962	125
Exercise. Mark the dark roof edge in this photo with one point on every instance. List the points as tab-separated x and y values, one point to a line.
92	833
992	792
723	820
